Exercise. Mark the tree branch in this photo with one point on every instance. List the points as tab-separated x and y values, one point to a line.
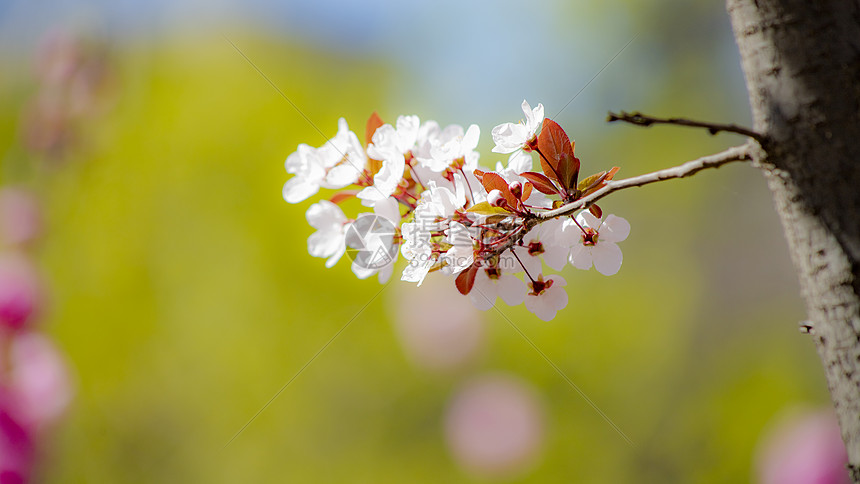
737	153
690	168
640	119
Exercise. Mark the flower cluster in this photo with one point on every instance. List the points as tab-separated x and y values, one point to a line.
444	212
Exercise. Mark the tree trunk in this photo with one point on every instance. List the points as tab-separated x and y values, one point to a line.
801	59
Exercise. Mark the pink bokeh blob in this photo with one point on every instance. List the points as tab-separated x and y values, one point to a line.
20	216
803	448
40	382
20	291
494	426
438	327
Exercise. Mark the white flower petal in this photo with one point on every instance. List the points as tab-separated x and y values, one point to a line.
527	110
581	257
586	219
570	233
511	289
470	139
509	137
342	175
324	214
417	269
362	272
385	273
532	263
508	263
299	189
607	257
324	243
557	280
537	116
614	229
520	161
458	259
407	132
540	308
483	293
555	256
388	208
336	255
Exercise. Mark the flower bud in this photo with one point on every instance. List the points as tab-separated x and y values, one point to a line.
496	199
516	188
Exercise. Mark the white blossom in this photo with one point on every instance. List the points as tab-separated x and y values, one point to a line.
380	244
336	164
598	243
331	224
547	296
491	283
510	137
461	255
543	242
442	148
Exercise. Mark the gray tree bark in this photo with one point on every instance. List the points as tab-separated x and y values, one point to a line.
801	59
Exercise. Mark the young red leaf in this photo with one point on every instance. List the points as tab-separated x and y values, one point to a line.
596	211
592	181
372	125
540	182
527	191
557	153
484	208
612	173
373	166
597	181
466	279
479	174
492	181
343	195
569	170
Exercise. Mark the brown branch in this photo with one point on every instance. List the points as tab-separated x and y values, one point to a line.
690	168
640	119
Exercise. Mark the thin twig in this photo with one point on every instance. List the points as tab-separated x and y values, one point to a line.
690	168
737	153
640	119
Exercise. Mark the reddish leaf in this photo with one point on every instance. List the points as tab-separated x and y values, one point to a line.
466	279
373	166
558	161
484	208
492	181
592	181
569	170
344	195
479	174
527	191
372	125
612	173
540	182
596	211
597	181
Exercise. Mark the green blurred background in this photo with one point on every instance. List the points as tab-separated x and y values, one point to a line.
184	298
